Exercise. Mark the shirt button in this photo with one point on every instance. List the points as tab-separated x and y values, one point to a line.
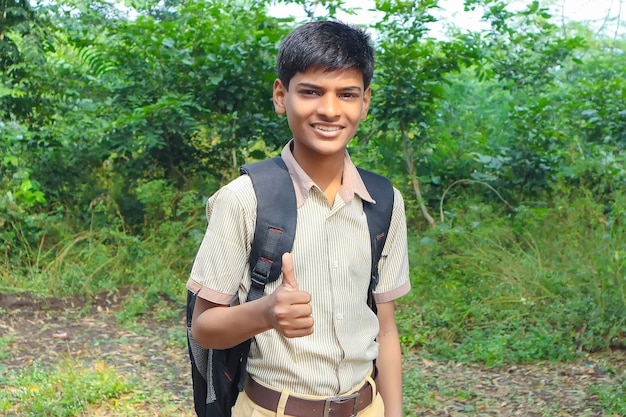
335	264
339	316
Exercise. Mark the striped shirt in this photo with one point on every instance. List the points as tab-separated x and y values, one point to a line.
331	256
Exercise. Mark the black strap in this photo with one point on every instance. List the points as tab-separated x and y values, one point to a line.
378	221
275	230
275	222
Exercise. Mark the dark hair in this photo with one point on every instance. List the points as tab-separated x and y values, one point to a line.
327	45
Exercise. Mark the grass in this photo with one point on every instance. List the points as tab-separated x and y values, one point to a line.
66	389
612	396
539	283
71	388
5	351
104	261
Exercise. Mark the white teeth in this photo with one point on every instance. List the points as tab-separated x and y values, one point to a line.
327	128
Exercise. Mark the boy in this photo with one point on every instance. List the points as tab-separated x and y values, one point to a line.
315	339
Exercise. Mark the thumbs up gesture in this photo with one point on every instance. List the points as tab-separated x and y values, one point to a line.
289	276
290	308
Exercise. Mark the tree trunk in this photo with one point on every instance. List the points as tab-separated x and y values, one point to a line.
410	163
3	19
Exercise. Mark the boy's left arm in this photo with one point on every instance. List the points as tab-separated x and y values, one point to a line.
389	362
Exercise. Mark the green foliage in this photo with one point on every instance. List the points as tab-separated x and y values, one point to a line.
152	98
525	51
113	130
524	48
21	196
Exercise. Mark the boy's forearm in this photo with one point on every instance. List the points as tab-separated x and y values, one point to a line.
287	309
389	381
389	363
223	327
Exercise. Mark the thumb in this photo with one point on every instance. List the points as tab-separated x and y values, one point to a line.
289	277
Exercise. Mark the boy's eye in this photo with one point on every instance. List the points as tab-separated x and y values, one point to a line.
315	93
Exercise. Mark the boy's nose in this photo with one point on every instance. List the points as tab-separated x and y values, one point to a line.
329	106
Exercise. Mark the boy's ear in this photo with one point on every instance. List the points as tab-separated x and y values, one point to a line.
279	97
367	96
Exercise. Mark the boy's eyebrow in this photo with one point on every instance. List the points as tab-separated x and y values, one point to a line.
315	86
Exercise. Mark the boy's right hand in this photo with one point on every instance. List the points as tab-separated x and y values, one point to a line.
290	308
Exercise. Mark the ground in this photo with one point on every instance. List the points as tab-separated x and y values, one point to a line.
151	349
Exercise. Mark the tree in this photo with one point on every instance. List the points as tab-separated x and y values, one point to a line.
524	52
180	93
409	79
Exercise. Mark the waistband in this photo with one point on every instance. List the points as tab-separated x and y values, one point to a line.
341	406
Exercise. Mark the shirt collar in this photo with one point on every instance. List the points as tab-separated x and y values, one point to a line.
352	183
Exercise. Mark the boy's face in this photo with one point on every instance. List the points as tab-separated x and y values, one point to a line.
323	109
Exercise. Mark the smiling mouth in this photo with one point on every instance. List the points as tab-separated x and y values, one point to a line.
327	128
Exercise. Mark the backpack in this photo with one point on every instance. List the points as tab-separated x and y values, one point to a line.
218	375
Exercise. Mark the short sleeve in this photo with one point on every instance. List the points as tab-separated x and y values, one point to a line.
222	259
394	263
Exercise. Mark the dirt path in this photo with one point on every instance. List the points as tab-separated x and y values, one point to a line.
153	353
148	351
533	390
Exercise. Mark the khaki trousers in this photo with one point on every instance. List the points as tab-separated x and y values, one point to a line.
245	407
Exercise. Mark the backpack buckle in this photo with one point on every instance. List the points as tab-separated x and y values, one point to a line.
328	404
258	282
260	274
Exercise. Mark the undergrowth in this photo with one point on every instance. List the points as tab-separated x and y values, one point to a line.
52	260
541	283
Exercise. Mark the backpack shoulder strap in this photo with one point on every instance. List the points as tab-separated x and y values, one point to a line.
378	221
218	375
275	222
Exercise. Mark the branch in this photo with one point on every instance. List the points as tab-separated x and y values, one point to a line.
606	19
563	19
619	18
468	181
